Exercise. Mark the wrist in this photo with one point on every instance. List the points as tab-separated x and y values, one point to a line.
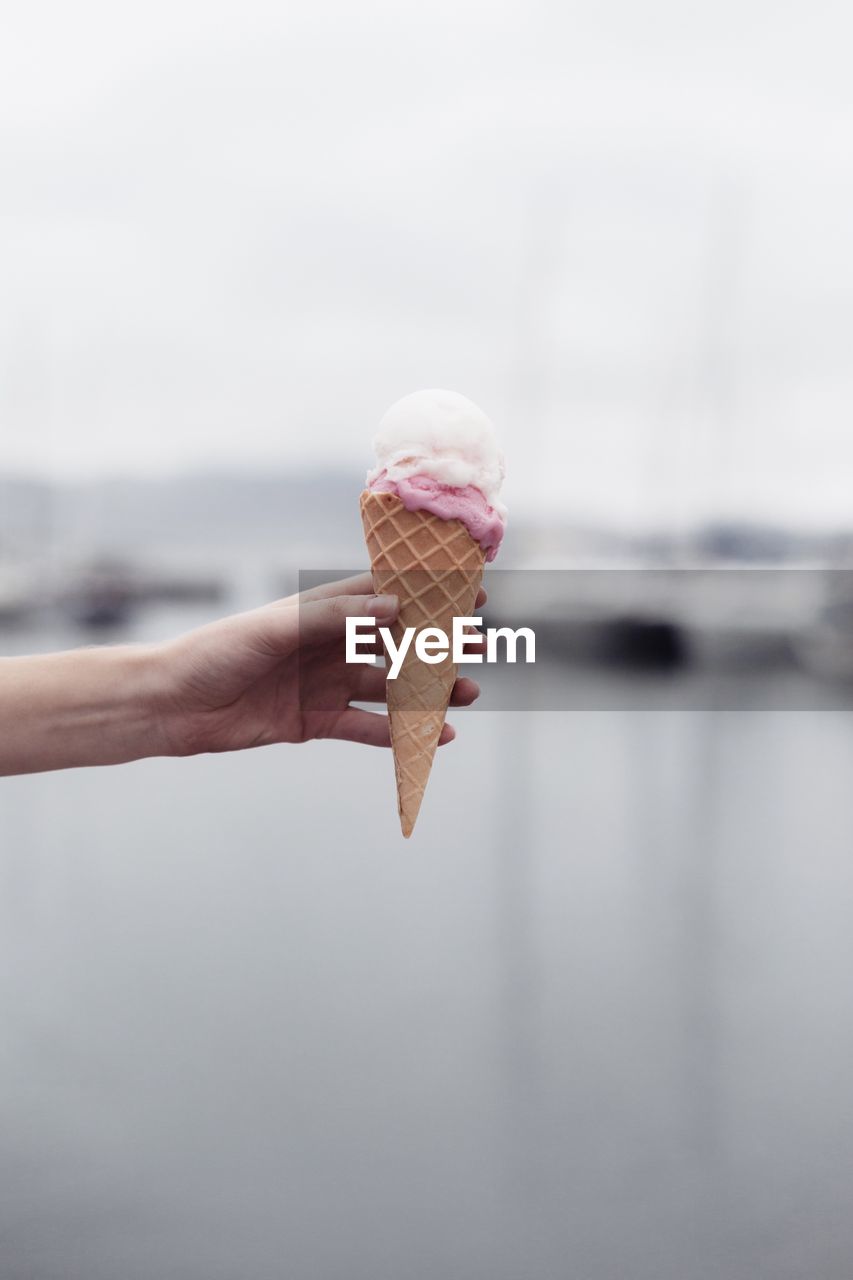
160	711
138	705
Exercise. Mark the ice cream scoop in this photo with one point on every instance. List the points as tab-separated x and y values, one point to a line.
438	452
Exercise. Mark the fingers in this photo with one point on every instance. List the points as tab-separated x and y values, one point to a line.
355	725
465	691
321	612
360	584
370	686
475	641
325	619
356	585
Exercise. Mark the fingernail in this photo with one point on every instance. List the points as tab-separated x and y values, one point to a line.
383	606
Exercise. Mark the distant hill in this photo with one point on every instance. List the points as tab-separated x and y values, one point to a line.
311	518
215	510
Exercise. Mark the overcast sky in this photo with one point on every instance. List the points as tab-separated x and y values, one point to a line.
233	234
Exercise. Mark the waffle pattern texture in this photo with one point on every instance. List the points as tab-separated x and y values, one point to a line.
435	568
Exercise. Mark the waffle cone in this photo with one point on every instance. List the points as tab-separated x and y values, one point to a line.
434	567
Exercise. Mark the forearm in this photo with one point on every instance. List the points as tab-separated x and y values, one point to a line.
84	707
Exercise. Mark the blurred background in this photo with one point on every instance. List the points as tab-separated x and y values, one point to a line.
596	1018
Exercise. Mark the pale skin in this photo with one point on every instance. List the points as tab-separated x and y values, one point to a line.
274	674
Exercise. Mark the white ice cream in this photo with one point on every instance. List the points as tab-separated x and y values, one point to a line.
443	435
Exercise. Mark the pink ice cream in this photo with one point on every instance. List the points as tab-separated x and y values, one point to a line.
438	452
422	493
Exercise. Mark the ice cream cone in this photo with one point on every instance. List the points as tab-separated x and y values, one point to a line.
435	568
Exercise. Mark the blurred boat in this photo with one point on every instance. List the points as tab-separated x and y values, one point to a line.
98	596
826	649
106	592
734	619
179	588
18	598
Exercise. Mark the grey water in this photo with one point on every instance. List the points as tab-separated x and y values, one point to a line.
595	1020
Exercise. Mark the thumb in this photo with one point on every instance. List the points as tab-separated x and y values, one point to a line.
321	620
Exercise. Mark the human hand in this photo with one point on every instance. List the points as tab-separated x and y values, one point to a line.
278	674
